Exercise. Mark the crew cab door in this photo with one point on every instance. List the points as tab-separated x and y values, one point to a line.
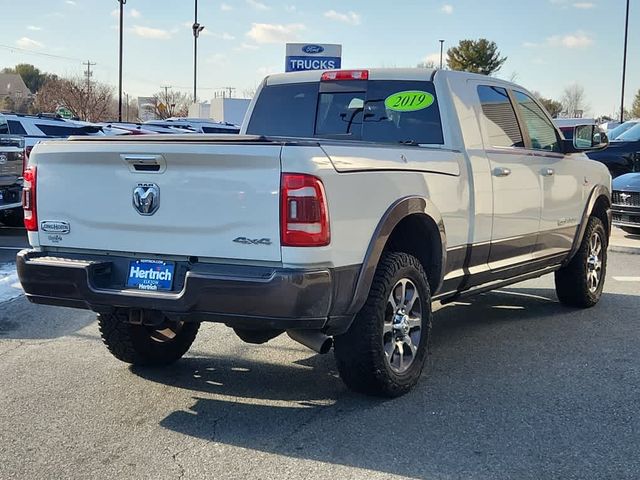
559	176
515	177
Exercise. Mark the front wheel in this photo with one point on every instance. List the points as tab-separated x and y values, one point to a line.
385	349
145	345
580	283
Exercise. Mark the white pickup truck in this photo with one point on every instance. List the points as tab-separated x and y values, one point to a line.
350	202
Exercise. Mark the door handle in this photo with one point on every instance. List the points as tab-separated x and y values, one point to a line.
547	172
501	172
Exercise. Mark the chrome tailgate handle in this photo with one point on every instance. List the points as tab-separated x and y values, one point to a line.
142	163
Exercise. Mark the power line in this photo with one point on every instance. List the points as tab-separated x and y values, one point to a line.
41	54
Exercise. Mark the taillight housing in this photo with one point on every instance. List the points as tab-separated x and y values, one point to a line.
334	75
25	157
29	199
304	216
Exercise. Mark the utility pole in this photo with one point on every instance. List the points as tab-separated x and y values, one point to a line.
624	62
122	3
88	73
167	105
197	28
441	51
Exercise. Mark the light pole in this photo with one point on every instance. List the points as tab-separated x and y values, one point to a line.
441	50
122	2
624	62
197	28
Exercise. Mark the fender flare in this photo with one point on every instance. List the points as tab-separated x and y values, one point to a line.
398	211
597	192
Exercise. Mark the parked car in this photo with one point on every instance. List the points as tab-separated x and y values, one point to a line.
626	203
567	125
197	125
351	201
623	154
11	167
620	129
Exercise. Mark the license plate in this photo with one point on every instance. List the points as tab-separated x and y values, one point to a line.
150	275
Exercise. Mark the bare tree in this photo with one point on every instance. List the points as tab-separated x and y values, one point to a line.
573	101
92	102
428	64
171	103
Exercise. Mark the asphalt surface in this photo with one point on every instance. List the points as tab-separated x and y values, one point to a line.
517	387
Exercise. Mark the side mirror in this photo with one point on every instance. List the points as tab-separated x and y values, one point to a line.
587	138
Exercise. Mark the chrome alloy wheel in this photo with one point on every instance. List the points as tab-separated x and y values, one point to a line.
403	326
594	262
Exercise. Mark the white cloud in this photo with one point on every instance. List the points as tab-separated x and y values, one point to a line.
290	8
33	28
446	8
257	5
264	71
152	33
530	45
351	18
272	33
70	2
573	40
247	46
432	58
26	42
131	13
225	7
217	59
584	5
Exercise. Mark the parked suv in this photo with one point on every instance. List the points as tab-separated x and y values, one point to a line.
11	167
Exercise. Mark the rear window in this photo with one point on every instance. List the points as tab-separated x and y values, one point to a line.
376	111
60	130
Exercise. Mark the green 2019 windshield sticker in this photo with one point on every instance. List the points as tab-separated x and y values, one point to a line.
409	101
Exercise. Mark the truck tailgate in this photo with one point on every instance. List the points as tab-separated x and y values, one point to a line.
216	200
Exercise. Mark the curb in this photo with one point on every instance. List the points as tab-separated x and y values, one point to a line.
624	249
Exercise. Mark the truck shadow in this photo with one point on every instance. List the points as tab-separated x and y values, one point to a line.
22	320
489	396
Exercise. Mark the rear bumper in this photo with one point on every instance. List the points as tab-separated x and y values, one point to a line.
253	297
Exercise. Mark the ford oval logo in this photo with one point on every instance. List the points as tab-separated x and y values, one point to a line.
313	49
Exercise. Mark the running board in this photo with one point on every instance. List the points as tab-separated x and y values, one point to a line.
487	287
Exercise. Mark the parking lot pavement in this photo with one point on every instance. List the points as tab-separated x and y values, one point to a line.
623	242
517	386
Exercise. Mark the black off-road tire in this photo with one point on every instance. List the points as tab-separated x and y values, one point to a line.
631	230
571	281
140	344
359	353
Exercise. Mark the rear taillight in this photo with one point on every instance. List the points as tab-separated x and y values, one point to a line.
304	216
29	199
333	75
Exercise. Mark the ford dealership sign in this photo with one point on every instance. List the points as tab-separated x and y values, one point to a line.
312	56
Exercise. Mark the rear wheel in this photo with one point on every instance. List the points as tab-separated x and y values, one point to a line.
580	283
146	345
385	349
631	230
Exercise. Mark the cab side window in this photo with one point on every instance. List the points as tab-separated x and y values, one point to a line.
542	133
499	117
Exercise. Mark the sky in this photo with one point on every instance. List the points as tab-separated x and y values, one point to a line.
549	44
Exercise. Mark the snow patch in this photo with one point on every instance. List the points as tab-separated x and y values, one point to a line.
9	284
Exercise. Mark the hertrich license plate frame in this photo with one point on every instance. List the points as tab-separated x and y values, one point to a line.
150	275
